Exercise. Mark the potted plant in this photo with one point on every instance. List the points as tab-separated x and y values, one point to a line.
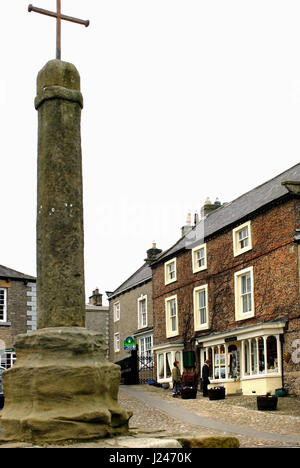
216	393
267	402
280	392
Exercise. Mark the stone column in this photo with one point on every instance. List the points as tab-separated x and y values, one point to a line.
60	263
61	386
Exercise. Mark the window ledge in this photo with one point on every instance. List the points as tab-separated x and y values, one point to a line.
5	324
261	376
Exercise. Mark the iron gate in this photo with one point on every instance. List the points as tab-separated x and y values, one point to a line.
145	368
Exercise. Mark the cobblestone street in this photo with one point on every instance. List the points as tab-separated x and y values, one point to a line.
156	414
251	425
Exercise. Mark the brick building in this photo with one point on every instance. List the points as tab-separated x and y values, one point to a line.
229	290
17	310
131	315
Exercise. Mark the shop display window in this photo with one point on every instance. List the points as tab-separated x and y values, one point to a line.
272	358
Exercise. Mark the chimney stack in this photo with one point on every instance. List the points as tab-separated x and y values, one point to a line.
152	253
96	298
209	207
188	226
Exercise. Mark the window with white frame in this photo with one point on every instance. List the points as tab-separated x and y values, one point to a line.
170	271
7	359
242	239
117	311
146	344
3	304
142	312
244	297
117	342
165	360
171	316
201	317
199	258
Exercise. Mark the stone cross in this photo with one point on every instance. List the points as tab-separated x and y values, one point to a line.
58	15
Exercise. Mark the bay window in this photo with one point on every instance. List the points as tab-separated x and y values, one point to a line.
165	361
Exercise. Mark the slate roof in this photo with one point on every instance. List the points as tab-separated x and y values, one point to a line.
13	274
235	211
143	274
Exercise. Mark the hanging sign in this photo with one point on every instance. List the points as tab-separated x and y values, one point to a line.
129	343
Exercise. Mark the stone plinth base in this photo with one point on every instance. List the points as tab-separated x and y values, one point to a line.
61	388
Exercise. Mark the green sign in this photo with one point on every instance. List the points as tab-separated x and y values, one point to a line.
129	343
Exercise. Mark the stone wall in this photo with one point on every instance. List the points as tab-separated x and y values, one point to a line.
21	310
97	319
128	323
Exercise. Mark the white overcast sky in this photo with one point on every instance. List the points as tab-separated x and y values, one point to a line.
184	99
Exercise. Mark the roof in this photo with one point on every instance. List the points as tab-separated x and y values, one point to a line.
13	274
143	274
233	212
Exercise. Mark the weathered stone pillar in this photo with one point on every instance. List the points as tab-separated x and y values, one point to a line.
62	387
60	262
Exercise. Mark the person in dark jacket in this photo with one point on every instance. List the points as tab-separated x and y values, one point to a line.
205	377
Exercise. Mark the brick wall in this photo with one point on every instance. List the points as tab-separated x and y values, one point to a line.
275	261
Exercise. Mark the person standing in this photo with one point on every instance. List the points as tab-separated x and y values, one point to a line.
205	377
176	379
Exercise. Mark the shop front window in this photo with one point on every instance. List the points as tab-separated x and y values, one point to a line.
234	362
161	370
254	368
220	363
168	365
261	355
272	358
246	358
165	362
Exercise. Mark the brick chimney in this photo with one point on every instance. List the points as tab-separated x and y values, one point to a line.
96	298
152	253
209	207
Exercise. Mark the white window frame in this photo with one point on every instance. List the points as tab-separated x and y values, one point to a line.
237	249
197	249
197	325
169	332
117	311
169	280
142	347
7	359
239	314
4	319
139	301
117	348
173	351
